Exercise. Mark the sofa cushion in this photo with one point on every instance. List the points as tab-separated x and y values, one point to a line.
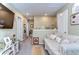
65	41
52	36
58	39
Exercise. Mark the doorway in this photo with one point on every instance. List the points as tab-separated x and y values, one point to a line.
30	25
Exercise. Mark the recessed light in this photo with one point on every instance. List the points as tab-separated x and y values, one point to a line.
61	14
45	14
27	14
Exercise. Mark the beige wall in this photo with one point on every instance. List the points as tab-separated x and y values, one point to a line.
44	21
10	32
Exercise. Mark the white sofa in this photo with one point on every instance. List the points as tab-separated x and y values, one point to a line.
68	45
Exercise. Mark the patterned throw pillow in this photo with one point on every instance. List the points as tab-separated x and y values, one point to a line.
58	39
52	36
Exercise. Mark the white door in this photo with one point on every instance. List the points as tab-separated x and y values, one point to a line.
19	29
59	22
27	28
62	22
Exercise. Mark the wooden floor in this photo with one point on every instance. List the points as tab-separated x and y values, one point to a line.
37	50
26	48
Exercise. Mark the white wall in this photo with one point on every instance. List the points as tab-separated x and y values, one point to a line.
71	28
74	29
44	21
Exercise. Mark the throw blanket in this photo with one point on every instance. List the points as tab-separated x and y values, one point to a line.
70	49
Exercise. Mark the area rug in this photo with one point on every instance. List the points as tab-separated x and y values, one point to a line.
37	50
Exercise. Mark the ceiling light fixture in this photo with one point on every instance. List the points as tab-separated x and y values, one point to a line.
45	14
61	14
27	14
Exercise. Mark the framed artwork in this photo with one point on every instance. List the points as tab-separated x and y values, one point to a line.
35	40
75	19
31	25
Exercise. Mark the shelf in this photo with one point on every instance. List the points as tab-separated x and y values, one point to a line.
75	13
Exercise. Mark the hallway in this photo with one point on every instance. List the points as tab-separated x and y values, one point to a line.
26	48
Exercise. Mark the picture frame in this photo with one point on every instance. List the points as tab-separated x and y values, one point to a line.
35	40
75	19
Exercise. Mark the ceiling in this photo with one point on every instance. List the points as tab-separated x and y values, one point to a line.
37	9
